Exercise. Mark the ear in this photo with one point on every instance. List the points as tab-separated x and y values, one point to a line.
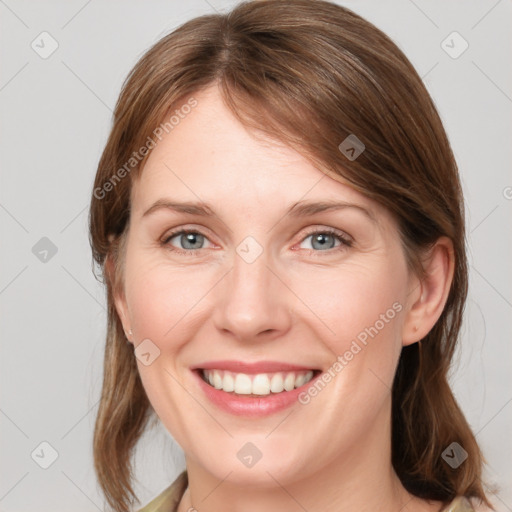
429	294
119	298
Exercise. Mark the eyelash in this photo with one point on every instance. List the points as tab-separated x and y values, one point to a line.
345	241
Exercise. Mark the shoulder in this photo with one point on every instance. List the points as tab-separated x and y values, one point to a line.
168	500
463	504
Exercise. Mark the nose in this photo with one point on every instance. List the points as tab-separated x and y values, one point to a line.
253	302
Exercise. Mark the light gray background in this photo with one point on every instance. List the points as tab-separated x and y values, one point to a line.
55	118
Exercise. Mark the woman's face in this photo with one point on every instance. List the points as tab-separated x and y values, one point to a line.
261	279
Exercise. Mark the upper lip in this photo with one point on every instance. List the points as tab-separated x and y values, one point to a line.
256	367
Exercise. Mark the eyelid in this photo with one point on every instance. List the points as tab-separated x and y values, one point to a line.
330	230
345	239
187	228
164	239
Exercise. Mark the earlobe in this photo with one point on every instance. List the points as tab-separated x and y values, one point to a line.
122	311
430	293
119	298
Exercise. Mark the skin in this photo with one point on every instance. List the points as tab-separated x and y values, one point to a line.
298	302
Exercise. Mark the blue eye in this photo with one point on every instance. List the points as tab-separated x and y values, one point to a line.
325	240
191	242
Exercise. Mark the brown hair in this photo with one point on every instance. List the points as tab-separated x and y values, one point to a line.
308	73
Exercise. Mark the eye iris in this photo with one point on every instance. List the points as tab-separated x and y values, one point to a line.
189	238
321	238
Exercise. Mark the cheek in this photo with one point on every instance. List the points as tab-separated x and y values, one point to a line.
162	299
358	311
353	298
163	302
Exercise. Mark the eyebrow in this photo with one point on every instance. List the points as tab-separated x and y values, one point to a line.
297	210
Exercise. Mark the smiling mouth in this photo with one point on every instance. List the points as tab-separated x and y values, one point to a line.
256	385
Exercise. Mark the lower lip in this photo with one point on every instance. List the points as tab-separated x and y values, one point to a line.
241	405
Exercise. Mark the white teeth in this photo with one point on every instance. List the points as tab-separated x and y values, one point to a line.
243	384
289	382
217	380
299	381
228	383
259	384
276	383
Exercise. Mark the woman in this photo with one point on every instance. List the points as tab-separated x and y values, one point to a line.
279	219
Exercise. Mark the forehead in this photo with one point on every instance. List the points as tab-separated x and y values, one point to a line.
210	156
